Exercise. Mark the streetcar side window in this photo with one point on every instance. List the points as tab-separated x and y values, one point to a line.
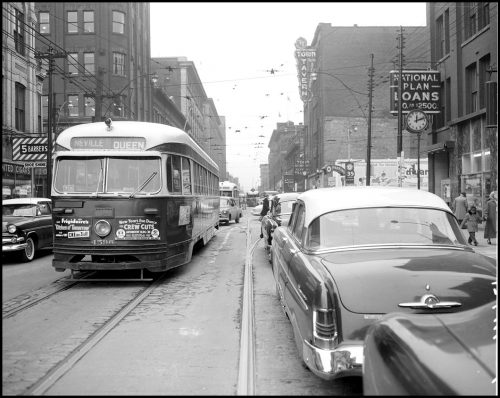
186	177
174	179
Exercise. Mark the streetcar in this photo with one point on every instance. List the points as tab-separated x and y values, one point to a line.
131	195
252	198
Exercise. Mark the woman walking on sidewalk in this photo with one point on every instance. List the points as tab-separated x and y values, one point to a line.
490	216
472	221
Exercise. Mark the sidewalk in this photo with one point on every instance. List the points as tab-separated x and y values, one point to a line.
482	244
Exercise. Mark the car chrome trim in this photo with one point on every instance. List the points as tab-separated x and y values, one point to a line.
329	364
430	301
12	248
302	297
382	246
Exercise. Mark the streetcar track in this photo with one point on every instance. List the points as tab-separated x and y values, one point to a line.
246	373
65	365
34	301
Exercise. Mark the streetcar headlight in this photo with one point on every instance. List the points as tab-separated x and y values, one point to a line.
11	228
102	228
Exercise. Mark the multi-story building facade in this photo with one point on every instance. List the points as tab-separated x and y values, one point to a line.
281	168
179	78
334	89
104	68
264	178
463	144
21	99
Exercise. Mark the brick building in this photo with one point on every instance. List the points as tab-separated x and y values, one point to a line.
463	145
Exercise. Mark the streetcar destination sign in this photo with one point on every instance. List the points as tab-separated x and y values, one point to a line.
116	143
420	90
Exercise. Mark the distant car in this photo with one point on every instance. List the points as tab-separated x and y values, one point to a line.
257	210
432	354
26	226
228	210
281	209
350	255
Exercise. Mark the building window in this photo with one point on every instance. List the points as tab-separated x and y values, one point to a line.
476	17
88	22
73	63
73	105
19	32
440	37
484	14
447	32
89	106
20	108
89	63
448	99
39	116
45	107
118	22
44	18
484	65
471	87
72	21
119	64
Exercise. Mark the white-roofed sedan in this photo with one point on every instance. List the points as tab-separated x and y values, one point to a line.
350	255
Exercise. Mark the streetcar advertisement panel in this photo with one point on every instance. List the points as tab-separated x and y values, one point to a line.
72	227
137	228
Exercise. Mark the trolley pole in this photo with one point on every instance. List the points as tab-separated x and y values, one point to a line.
400	109
50	55
369	142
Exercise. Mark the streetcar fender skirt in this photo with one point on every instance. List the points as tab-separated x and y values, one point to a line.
329	364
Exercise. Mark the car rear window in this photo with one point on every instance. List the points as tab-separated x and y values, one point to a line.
383	226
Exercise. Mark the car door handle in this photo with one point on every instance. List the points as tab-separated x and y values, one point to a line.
293	252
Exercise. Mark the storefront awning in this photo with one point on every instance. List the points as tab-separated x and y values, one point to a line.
440	146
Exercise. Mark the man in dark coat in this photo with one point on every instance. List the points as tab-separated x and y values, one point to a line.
265	206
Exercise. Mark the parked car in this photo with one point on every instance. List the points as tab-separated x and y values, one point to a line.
26	226
281	209
432	354
229	210
257	210
350	255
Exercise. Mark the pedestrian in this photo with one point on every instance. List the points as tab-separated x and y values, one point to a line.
460	207
265	206
472	221
490	216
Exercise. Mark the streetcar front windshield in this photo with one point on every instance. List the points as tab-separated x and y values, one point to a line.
94	174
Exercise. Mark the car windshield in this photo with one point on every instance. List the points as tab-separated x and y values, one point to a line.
224	202
384	226
107	175
21	210
284	207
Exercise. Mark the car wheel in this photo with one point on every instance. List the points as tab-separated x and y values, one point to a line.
28	253
261	234
237	220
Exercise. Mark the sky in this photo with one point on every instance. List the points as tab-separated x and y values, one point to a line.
234	46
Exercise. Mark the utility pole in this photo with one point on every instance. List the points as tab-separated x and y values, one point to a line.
369	142
50	55
400	110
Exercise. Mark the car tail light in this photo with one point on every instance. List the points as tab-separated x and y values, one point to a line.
324	328
102	228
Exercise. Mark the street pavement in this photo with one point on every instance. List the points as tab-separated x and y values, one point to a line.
482	245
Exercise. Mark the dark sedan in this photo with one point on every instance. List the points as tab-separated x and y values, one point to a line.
26	226
350	255
281	209
436	354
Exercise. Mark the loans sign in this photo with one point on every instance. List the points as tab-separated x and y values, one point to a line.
421	89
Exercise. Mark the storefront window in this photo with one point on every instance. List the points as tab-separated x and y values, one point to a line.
473	188
16	181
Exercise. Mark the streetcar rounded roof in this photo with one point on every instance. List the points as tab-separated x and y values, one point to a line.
154	133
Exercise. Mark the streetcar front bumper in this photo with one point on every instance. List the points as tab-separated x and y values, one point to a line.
329	364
